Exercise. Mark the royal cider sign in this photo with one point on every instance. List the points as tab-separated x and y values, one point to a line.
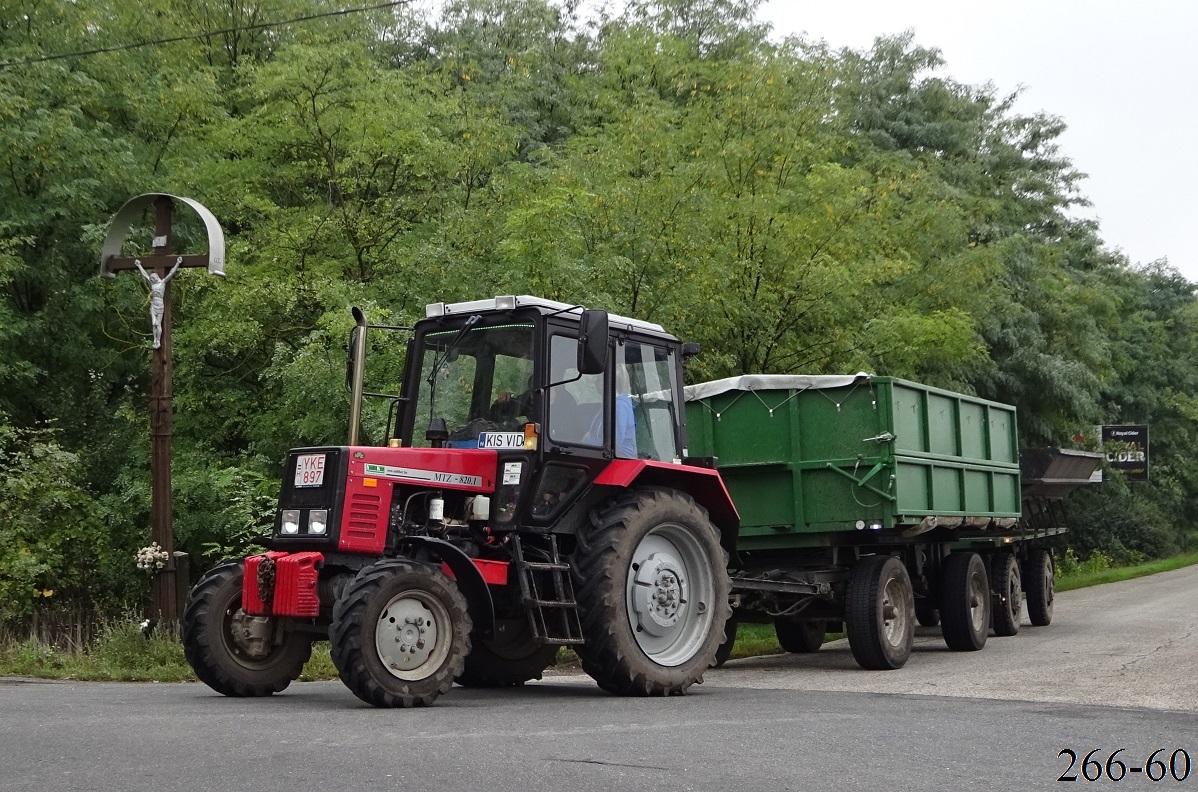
1126	449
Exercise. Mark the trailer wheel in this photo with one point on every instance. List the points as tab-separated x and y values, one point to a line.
725	649
232	653
926	613
1041	587
799	637
880	613
400	634
501	663
1008	591
965	602
652	588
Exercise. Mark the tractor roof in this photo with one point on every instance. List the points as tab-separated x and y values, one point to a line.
545	306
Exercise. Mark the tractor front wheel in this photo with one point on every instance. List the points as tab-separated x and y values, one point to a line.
232	653
652	588
400	634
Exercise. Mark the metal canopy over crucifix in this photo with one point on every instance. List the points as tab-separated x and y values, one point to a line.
158	269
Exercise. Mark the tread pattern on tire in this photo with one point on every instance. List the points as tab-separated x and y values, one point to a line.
611	655
1039	595
724	652
865	639
1008	609
351	637
207	654
955	619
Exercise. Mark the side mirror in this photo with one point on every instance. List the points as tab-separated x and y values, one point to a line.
689	350
592	342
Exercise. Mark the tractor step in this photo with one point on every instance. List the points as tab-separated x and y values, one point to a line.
548	595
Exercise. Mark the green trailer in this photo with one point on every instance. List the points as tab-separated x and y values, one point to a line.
870	503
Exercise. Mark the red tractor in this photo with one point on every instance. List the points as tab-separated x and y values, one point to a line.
532	491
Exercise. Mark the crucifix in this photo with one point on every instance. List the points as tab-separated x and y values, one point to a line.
158	268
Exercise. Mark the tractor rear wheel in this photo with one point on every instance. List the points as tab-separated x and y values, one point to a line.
724	652
232	653
800	637
400	634
965	602
652	588
1041	587
1008	602
880	613
499	663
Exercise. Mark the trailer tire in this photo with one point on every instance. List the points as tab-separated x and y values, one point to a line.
1008	594
214	652
926	613
725	649
880	613
1041	587
965	602
652	588
369	642
492	664
800	637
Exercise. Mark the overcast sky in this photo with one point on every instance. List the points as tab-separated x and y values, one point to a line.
1122	75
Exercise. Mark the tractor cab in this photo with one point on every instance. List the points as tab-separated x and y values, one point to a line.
554	390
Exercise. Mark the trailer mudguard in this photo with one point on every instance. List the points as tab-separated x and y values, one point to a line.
702	484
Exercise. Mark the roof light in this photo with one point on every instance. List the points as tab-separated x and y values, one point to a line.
505	303
434	309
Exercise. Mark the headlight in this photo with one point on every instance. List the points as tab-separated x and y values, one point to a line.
317	520
291	521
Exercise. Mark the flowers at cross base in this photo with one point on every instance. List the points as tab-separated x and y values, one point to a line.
152	558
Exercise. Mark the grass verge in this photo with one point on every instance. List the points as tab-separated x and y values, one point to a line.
123	654
1088	578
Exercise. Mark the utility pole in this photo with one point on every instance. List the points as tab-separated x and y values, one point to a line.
158	269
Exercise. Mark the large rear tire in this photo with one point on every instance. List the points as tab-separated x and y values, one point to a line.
800	637
400	634
965	602
1041	587
652	588
1008	594
501	663
724	652
232	653
880	613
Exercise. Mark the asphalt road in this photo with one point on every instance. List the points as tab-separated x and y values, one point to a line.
812	723
1128	644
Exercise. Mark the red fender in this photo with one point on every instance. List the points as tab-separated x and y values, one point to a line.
702	484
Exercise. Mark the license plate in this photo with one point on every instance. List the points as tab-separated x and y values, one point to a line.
501	440
309	470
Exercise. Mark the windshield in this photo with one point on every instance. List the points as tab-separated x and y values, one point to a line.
479	381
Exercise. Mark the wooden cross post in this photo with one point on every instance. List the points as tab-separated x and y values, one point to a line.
158	269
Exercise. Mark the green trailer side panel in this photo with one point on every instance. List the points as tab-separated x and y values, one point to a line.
878	451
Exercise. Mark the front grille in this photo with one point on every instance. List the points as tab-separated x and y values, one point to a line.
365	519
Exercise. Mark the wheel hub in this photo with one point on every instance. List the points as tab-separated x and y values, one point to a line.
406	637
251	634
660	596
669	594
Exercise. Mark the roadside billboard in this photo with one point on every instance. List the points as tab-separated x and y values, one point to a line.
1126	449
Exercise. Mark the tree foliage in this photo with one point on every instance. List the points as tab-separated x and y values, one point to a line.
792	208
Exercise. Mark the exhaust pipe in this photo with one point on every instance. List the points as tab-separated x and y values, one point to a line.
357	351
